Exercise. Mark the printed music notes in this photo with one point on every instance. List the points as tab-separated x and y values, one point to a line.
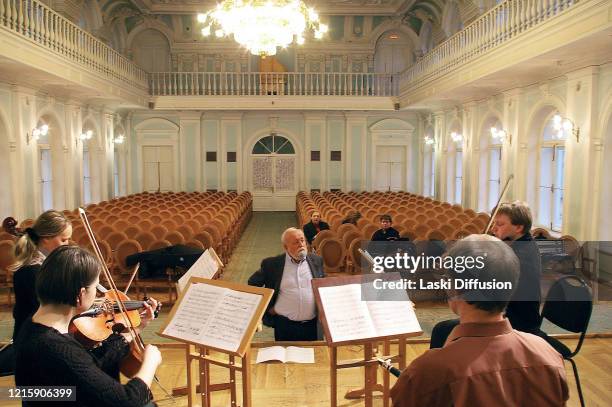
350	318
206	266
213	316
289	354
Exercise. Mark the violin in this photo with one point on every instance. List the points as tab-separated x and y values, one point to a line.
111	315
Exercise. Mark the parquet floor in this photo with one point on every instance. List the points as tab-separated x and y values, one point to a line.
281	385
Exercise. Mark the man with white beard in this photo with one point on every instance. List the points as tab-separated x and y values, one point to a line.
292	311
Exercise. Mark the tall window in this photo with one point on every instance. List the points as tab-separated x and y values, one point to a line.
429	171
116	173
490	166
551	182
458	175
86	176
46	180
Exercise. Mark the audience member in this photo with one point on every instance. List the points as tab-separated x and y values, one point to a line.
312	228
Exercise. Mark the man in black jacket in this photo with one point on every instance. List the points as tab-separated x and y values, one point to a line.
292	311
312	228
512	225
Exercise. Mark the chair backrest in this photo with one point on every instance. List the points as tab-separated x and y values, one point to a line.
569	304
332	251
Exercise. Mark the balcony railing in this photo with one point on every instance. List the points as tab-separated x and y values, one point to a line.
40	24
494	28
272	84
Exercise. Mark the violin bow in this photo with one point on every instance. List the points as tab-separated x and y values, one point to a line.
510	178
138	341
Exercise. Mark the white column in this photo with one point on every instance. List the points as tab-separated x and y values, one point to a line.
441	155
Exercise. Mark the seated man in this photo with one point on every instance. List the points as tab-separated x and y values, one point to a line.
292	311
386	233
312	228
484	361
512	224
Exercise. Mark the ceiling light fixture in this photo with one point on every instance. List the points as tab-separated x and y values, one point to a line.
262	25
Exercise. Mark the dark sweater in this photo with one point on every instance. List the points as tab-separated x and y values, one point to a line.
26	302
310	230
382	235
45	357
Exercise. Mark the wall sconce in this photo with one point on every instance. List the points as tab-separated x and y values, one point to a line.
501	135
429	140
87	135
563	126
119	139
456	137
36	132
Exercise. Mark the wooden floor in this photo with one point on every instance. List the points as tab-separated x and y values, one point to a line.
281	385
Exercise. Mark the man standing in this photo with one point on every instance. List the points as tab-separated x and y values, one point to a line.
512	225
292	311
312	228
484	361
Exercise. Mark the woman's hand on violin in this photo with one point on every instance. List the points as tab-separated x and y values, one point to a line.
149	312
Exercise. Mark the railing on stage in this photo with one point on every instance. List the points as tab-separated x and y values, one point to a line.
272	84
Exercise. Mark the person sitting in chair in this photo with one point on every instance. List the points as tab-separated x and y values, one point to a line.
386	233
292	311
312	228
484	361
512	225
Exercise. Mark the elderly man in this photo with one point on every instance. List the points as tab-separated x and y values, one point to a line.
484	361
292	311
312	228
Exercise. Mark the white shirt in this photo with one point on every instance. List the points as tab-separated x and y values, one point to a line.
295	299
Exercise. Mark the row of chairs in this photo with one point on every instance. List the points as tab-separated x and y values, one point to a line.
146	221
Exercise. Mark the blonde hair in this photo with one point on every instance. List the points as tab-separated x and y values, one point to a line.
49	224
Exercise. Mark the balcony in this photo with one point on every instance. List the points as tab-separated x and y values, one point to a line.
265	90
42	49
517	43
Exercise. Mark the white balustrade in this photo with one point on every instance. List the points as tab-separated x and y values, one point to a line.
40	24
272	84
497	26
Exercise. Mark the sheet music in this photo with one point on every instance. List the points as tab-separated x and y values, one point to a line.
191	319
347	316
289	354
393	317
213	316
206	267
230	320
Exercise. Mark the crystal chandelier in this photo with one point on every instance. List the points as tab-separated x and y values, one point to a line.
262	25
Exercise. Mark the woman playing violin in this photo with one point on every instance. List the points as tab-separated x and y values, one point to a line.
50	231
47	355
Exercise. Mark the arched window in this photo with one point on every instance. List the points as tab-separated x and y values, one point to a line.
429	165
490	166
551	181
273	144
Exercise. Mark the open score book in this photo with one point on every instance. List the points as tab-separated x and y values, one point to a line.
288	354
350	318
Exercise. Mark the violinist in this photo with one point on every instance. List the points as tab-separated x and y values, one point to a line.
47	355
50	231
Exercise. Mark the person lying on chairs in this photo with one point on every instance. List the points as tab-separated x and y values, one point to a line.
292	311
484	361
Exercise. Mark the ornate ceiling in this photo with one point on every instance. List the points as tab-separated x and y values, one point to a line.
345	7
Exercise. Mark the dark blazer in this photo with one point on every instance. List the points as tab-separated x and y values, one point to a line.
270	275
310	231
